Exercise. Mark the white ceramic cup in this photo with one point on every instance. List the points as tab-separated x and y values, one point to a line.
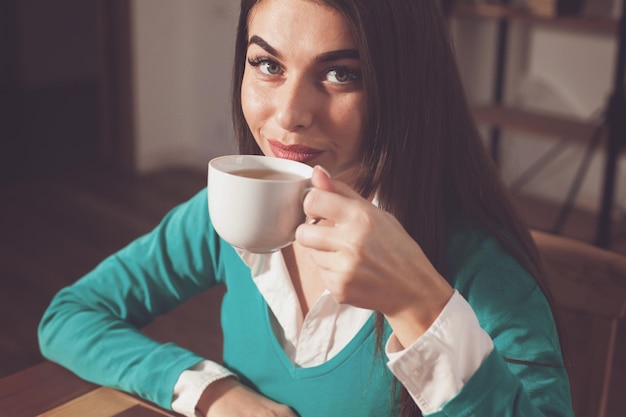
259	215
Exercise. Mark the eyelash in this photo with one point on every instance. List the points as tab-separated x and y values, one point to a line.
353	75
257	61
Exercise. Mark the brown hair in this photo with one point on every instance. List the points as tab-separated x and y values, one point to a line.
423	153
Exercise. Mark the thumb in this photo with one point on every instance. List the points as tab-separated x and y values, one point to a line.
321	179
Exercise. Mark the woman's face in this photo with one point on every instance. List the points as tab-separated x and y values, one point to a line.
302	94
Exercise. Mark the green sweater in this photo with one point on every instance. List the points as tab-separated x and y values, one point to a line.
91	328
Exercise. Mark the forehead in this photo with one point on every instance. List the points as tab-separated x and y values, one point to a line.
304	25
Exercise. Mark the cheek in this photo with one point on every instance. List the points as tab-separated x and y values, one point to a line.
254	103
350	121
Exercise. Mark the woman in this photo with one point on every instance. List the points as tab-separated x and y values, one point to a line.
419	291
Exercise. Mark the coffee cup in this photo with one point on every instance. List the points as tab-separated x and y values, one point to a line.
255	202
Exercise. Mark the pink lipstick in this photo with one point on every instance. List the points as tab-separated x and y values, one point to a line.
300	153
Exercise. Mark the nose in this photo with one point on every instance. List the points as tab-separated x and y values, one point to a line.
295	105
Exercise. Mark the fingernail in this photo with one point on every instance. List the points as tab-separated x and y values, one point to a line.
323	170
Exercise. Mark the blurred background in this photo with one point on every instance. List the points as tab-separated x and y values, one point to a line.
542	73
135	84
110	110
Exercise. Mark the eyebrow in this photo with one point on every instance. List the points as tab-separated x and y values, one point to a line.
257	40
324	57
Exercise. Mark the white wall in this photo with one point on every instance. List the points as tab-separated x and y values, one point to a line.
561	71
183	58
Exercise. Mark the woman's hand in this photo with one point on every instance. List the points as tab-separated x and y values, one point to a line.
229	398
368	260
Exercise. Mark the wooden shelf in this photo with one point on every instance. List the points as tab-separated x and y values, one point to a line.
542	124
546	124
598	25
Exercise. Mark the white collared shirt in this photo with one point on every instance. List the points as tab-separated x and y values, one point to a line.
452	348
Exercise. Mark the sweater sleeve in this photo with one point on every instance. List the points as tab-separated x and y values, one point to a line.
92	327
524	375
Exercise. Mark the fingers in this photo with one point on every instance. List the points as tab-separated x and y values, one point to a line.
321	179
316	236
333	202
328	199
344	221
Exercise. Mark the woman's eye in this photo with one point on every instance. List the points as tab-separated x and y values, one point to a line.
270	68
341	75
266	66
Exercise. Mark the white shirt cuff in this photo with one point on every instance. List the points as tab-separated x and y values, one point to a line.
192	383
438	364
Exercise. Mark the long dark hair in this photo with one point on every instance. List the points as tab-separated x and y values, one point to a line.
423	153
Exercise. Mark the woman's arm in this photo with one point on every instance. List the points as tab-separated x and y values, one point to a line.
446	368
368	260
92	327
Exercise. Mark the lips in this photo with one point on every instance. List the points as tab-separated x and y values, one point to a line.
300	153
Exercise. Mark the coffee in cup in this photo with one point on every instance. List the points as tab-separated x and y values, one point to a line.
255	202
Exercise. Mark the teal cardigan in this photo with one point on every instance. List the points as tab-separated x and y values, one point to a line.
91	328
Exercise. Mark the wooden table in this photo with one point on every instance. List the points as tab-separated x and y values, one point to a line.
48	390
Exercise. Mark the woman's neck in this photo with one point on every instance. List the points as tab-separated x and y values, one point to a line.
304	276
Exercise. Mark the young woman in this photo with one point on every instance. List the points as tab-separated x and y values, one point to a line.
419	291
